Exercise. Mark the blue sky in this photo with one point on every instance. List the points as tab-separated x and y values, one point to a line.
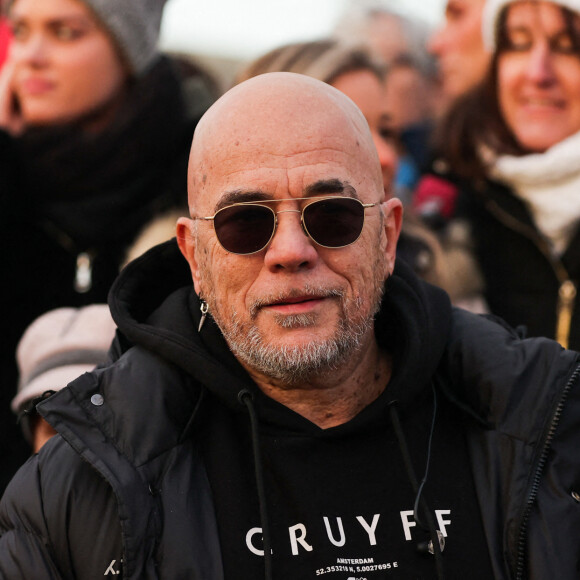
247	28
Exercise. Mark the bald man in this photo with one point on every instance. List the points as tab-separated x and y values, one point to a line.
286	401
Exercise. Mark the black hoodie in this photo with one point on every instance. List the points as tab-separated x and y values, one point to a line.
205	470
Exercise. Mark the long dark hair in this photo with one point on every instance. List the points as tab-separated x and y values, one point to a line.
475	119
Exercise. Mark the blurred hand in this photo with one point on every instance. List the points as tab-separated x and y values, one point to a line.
10	117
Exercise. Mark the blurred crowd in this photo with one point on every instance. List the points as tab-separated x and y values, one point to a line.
476	125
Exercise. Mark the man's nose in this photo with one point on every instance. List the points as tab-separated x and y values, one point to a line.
290	249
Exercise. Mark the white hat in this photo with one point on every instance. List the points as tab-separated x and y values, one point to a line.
59	346
493	9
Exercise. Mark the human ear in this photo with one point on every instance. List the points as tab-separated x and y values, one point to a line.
393	221
186	240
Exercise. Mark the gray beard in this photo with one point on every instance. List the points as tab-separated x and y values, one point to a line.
293	365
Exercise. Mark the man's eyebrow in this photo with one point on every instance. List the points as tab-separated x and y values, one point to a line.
331	186
321	187
241	195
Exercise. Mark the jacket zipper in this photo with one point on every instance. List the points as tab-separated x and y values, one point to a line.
566	296
521	550
567	290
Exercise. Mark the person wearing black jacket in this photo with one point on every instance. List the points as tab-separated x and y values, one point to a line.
306	408
95	130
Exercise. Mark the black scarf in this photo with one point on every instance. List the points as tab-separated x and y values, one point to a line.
100	189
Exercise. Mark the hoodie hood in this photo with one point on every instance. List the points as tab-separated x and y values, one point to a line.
155	306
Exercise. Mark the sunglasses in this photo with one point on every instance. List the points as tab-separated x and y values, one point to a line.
248	227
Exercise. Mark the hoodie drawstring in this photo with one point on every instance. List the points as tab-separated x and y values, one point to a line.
247	399
436	536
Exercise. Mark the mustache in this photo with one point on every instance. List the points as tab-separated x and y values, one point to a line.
307	291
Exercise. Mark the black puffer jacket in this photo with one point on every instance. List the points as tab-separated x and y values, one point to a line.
126	463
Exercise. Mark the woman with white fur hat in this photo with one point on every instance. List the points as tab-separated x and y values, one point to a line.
95	130
513	147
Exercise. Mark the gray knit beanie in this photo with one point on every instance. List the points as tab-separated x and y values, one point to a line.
494	8
134	26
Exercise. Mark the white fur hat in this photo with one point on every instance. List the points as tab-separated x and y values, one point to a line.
493	9
59	346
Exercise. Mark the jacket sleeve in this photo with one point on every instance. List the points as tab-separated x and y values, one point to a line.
511	384
25	550
553	549
525	461
59	520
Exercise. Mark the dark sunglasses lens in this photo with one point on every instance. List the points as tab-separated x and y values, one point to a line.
334	222
244	229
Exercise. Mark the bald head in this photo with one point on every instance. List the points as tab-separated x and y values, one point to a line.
281	115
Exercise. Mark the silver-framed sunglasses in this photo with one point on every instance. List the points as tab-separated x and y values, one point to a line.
248	227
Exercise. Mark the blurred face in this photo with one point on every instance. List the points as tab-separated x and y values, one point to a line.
294	309
66	66
408	96
458	46
539	76
386	36
368	94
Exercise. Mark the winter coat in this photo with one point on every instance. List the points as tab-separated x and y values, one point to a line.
74	202
126	462
524	282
